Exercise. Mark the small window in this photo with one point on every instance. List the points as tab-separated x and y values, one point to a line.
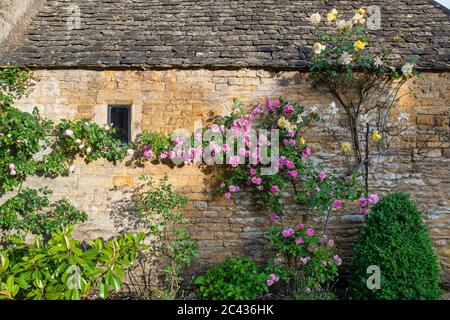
120	117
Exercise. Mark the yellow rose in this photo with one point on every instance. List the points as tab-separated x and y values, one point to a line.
361	11
346	146
318	48
281	122
359	45
376	136
302	141
332	15
315	18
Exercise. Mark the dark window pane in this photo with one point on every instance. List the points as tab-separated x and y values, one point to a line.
120	117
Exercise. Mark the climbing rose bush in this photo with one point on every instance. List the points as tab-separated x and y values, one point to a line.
293	168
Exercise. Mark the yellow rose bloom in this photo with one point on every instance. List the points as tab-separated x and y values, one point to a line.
359	45
376	136
282	122
346	146
332	15
318	47
361	11
302	141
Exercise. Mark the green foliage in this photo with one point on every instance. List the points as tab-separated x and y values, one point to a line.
89	141
236	278
22	136
304	260
30	211
158	142
395	239
14	83
64	268
157	208
32	145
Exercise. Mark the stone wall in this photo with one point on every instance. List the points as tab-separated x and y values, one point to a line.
169	99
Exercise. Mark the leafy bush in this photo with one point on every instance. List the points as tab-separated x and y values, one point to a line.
172	246
30	212
236	278
395	239
304	261
64	268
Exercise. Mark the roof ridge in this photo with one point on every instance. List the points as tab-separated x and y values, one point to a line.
441	6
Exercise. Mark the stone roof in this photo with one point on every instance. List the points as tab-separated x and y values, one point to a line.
213	33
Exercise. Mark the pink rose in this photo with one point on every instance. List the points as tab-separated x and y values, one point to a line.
310	232
12	166
322	176
289	164
274	189
306	152
337	260
260	188
233	188
256	180
148	154
269	282
299	240
252	171
301	226
288	109
292	173
234	161
273	217
337	204
287	232
227	195
373	198
171	154
362	202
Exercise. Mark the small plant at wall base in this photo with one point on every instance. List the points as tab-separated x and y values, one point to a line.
172	247
304	262
236	278
395	239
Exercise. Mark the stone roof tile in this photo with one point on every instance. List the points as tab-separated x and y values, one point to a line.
215	33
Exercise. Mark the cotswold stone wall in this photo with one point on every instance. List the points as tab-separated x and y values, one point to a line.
165	100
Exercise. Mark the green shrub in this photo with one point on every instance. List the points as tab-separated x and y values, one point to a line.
395	239
64	268
31	212
236	278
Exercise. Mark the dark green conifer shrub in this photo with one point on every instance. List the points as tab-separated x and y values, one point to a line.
395	239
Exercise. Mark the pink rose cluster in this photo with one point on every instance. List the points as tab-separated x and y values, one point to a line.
273	278
289	232
12	169
148	153
271	106
364	203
